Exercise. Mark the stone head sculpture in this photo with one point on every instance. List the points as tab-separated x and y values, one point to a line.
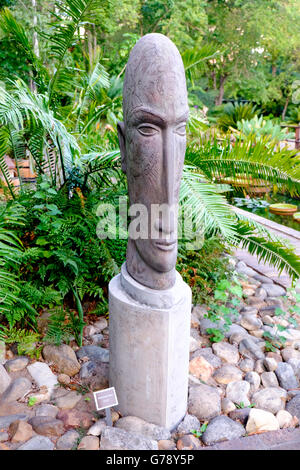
152	141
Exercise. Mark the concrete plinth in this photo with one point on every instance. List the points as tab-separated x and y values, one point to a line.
149	333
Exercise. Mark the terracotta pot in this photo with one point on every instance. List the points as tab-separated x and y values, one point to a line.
283	209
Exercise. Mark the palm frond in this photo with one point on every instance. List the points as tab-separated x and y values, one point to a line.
194	59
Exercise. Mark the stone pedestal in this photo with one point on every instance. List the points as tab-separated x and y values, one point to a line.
149	333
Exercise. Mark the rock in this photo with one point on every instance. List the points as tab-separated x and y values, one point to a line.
250	322
248	348
97	428
240	415
261	421
285	419
254	380
46	425
207	353
227	373
68	401
293	406
291	335
14	365
17	389
244	269
261	293
270	399
97	339
273	290
75	418
188	442
89	330
46	409
275	356
268	320
68	441
286	376
100	324
20	431
94	375
269	379
118	439
195	323
139	426
89	443
235	329
5	421
237	337
5	379
249	310
188	424
43	375
247	292
227	405
63	379
257	333
221	429
39	397
63	357
290	353
94	353
4	436
37	443
226	352
2	352
238	392
166	445
259	366
201	368
270	364
199	311
194	344
246	365
295	363
204	402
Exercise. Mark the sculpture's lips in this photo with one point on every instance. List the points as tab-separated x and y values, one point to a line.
165	245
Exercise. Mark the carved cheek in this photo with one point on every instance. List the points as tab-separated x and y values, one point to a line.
145	153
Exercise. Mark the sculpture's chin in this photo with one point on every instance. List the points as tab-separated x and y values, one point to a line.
160	258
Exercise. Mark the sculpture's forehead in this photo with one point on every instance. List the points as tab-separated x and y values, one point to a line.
155	77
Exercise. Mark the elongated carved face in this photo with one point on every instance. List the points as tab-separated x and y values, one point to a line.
153	141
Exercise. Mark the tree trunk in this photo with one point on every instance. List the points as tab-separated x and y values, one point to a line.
219	98
274	70
285	108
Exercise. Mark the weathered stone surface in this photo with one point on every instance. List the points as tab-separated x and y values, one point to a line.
205	324
63	379
204	402
240	415
97	428
89	443
270	399
118	439
207	353
238	392
20	431
4	436
246	365
262	278
5	379
5	421
194	344
270	364
17	389
259	366
260	421
200	368
261	293
269	379
63	357
45	409
227	352
286	376
139	426
251	322
68	401
221	429
227	405
94	374
249	310
293	406
188	442
100	324
236	330
166	445
68	441
273	290
227	373
14	365
295	363
285	419
75	418
97	339
290	353
188	424
43	375
37	443
94	353
248	348
46	425
254	380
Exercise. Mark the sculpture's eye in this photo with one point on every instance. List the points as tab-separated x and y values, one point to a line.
146	129
181	129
